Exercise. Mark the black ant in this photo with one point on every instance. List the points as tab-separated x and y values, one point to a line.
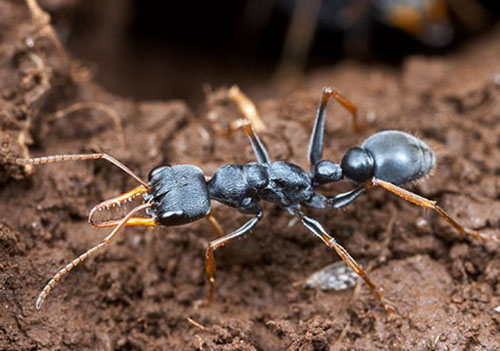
179	194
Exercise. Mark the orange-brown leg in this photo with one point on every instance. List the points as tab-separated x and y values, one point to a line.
423	202
348	105
316	228
247	108
213	245
215	224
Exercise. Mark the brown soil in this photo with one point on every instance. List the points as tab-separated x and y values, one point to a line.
139	294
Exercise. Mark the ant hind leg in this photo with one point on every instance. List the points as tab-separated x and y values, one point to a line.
423	202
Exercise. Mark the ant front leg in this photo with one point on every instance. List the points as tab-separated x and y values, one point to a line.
246	107
249	124
258	147
213	245
215	223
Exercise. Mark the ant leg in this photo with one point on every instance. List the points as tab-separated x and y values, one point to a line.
215	224
258	147
66	269
213	245
76	157
316	142
317	229
250	123
423	202
246	107
344	199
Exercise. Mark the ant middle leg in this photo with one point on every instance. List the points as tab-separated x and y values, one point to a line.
316	142
431	204
257	145
213	245
316	228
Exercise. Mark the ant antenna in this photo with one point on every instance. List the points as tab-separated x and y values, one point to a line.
66	269
76	157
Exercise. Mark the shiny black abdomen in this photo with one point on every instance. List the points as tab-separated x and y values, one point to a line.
399	157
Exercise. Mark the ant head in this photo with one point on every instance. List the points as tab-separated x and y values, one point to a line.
179	194
357	165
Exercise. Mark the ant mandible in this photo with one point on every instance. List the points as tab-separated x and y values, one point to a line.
179	194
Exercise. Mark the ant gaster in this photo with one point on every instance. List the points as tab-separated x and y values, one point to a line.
179	194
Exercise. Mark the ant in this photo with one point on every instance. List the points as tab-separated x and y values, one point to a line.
180	194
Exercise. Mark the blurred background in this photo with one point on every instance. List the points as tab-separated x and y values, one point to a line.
175	49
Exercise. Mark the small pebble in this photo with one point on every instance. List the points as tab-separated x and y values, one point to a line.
497	309
336	276
30	42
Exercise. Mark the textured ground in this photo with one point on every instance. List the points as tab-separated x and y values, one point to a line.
139	294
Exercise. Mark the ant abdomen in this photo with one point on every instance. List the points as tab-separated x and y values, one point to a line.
399	157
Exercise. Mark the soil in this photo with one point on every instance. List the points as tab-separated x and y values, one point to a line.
141	293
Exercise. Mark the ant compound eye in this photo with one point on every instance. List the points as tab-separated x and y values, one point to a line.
357	165
156	171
